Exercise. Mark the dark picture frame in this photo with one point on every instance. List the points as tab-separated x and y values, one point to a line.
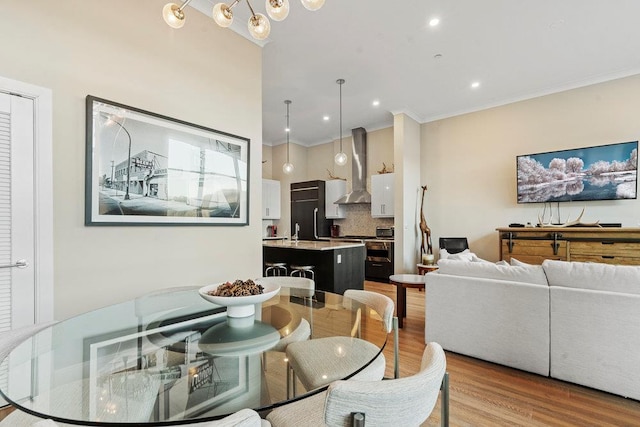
144	168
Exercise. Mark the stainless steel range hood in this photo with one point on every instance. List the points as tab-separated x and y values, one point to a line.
359	193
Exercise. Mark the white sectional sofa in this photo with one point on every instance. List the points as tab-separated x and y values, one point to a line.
578	322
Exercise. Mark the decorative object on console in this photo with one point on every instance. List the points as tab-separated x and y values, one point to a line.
287	167
606	172
259	25
575	222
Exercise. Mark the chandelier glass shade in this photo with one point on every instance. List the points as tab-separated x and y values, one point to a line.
173	14
258	24
277	10
288	166
312	5
341	157
222	15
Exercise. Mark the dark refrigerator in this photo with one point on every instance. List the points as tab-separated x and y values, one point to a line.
308	210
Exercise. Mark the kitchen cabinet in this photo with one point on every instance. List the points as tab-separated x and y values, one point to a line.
338	266
270	199
335	189
382	194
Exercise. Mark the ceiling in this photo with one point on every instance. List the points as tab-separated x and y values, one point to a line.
387	51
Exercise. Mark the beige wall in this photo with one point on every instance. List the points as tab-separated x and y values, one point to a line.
469	161
124	52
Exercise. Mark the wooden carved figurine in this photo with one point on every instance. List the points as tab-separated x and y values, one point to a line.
424	228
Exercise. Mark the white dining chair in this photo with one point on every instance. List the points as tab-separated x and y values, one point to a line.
318	362
300	287
242	418
402	402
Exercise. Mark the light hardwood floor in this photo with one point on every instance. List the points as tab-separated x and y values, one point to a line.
487	394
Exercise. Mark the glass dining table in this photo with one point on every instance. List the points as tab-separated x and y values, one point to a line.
172	357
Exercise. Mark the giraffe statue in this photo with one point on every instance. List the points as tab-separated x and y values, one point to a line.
424	228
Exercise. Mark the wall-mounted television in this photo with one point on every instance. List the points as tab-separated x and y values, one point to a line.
604	172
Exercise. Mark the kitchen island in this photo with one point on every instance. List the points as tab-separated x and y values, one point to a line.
338	266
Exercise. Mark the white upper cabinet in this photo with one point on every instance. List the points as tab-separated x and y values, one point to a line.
270	199
334	189
382	194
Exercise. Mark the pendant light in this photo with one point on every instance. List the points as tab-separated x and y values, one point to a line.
341	157
287	167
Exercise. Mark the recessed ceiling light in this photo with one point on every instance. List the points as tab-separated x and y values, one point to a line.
475	85
434	22
287	130
325	118
375	103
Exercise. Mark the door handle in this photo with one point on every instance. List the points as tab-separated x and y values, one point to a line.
21	263
315	223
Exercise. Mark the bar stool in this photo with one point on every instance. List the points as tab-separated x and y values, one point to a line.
276	269
302	270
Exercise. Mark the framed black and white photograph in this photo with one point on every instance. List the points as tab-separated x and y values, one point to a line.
147	169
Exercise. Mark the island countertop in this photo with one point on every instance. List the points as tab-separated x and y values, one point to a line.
311	245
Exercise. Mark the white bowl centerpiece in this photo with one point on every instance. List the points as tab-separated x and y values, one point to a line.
239	304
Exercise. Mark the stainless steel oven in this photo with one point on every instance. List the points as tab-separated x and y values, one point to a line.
378	265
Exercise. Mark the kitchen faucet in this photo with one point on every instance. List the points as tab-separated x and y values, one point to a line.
297	228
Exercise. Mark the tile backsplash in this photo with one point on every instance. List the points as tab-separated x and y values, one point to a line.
359	221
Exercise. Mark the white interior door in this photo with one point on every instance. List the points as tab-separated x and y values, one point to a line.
17	251
26	208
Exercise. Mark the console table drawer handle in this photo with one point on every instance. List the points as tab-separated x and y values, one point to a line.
607	257
608	243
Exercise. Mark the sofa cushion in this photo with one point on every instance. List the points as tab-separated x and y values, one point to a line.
594	276
526	274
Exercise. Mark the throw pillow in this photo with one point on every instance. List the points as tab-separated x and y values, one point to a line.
518	263
465	255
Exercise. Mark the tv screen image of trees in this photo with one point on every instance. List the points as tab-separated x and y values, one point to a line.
606	172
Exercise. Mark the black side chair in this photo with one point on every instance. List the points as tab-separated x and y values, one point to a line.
453	245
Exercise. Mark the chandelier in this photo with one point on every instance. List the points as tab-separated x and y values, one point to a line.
259	25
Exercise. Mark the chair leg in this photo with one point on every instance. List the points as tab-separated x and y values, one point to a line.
444	403
357	419
293	382
396	352
288	380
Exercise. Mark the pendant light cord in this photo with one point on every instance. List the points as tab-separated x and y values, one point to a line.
340	82
288	129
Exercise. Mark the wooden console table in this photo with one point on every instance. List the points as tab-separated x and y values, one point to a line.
611	245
